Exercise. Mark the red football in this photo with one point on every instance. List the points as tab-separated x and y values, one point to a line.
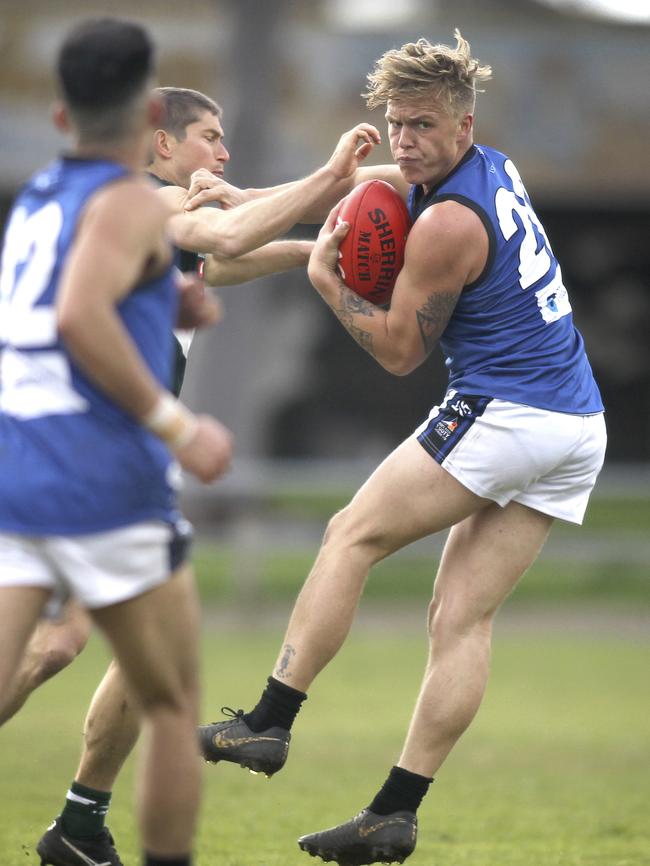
372	252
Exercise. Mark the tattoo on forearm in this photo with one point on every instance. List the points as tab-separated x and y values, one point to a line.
433	317
351	304
354	303
281	670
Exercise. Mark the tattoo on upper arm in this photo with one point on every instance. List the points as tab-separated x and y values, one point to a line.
432	318
352	304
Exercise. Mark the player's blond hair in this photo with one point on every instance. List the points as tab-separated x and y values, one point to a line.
420	69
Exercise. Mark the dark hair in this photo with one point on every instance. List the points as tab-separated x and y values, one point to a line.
103	62
181	107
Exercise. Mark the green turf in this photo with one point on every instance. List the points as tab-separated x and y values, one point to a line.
554	772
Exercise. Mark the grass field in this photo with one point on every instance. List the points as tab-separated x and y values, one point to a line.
554	772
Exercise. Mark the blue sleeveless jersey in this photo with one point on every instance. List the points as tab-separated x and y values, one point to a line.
71	461
511	335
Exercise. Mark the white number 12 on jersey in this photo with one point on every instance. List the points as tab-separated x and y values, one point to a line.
36	379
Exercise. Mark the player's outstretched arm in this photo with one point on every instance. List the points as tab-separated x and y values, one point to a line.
205	189
231	233
273	258
446	249
121	240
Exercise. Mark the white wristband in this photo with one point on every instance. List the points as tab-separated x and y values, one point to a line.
171	422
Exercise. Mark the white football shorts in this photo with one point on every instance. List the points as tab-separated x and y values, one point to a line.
99	569
509	452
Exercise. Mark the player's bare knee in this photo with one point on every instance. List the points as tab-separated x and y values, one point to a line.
177	696
53	646
49	661
452	617
348	531
169	704
334	531
77	636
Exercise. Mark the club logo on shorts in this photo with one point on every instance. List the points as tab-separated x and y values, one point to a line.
449	422
444	429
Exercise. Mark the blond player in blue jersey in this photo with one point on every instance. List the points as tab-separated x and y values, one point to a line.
516	442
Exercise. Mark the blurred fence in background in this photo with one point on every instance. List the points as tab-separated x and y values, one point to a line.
259	528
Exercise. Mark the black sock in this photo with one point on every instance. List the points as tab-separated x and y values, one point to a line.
278	707
84	811
150	860
402	791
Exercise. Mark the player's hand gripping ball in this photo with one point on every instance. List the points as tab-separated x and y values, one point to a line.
371	255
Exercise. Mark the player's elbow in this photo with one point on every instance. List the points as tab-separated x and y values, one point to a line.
217	237
401	358
220	272
77	328
400	364
69	321
228	247
400	369
228	243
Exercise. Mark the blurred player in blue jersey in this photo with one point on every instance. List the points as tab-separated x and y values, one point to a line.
188	138
88	430
517	441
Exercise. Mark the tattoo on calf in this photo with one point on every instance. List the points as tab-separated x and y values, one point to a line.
287	654
433	317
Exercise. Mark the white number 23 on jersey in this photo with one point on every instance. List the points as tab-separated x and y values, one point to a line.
534	263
